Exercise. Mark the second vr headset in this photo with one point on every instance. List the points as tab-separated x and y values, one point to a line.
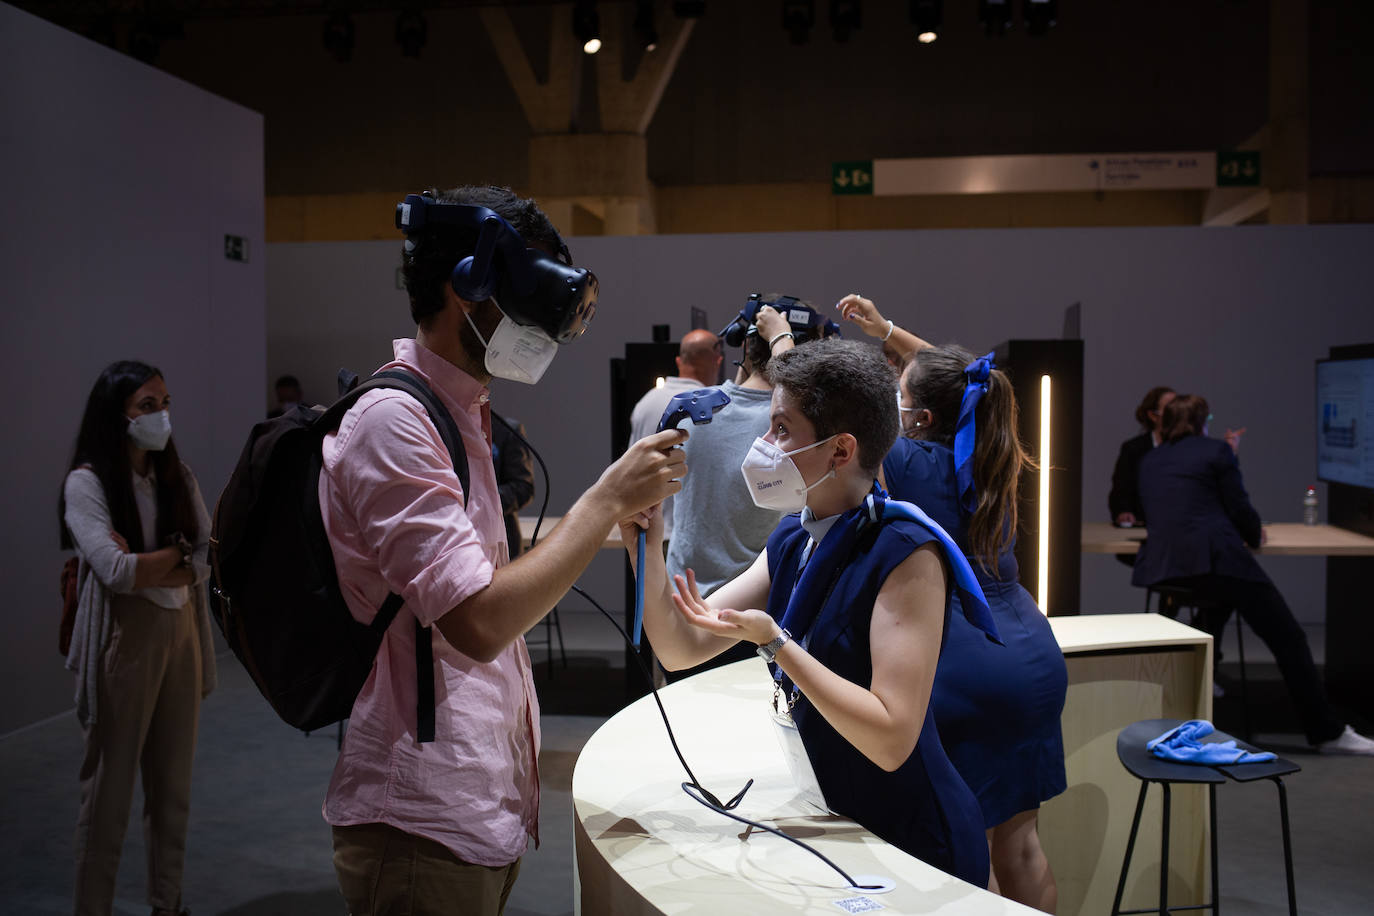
800	317
531	287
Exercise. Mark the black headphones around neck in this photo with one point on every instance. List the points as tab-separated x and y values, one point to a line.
531	287
800	316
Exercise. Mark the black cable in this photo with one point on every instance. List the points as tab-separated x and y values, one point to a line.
706	798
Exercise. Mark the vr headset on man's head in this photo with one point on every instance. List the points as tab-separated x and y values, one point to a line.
800	317
530	286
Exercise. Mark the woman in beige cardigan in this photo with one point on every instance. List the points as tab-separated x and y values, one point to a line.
141	645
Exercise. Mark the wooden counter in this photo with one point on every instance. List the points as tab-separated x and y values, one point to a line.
643	847
1124	668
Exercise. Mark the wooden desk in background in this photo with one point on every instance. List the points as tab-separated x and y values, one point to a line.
1283	539
1349	608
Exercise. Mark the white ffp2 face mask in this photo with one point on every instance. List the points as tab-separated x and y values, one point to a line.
151	430
774	480
516	352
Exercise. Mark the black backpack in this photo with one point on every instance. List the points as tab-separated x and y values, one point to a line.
273	587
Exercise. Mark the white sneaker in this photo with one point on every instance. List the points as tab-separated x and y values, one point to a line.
1348	742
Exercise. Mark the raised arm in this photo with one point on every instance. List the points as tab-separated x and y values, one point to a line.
865	314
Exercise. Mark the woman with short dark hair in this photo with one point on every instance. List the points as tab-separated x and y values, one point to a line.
141	644
849	602
1202	527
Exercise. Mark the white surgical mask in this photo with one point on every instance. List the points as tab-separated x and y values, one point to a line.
773	478
516	352
151	430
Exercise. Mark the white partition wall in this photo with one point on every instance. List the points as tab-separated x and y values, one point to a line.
1236	314
118	184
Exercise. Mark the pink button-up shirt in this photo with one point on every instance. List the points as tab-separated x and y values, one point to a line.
398	520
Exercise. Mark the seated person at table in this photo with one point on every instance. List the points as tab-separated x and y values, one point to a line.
1123	502
1201	522
851	605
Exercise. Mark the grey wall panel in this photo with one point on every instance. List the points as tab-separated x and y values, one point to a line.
119	184
1236	314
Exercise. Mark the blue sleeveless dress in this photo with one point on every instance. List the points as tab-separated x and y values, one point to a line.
922	808
997	707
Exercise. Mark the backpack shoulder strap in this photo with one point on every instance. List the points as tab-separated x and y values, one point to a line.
411	384
415	387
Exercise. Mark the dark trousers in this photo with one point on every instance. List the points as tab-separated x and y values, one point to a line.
1262	607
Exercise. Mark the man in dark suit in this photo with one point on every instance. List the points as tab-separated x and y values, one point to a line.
1202	527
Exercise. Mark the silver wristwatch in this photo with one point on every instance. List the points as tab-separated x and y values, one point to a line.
769	650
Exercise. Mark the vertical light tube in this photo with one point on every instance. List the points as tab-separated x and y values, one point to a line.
1043	572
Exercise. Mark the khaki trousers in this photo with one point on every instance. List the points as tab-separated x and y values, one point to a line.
384	871
149	705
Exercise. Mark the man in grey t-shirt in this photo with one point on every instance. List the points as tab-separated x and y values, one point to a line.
717	529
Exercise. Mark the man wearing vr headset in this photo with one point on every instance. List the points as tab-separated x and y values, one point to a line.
440	826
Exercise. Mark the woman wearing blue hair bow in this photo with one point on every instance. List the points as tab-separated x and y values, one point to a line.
997	707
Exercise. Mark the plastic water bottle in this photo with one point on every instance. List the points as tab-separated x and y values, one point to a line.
1309	506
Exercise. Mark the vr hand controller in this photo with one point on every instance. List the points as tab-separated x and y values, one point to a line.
698	405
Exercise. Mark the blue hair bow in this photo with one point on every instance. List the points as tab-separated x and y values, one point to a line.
977	374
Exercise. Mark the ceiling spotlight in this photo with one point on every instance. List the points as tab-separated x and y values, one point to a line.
689	9
995	15
411	32
845	17
586	24
926	16
1039	15
798	16
338	36
644	25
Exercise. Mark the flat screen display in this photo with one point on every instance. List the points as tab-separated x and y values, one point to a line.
1345	421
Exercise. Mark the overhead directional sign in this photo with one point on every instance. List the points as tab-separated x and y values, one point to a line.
1020	174
852	177
1240	168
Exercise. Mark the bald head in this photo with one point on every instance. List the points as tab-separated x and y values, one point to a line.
699	356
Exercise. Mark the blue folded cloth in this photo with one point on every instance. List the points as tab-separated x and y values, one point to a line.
1181	744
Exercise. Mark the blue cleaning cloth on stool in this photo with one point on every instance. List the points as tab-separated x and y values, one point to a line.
1181	744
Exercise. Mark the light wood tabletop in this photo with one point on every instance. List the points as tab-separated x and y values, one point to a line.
1283	539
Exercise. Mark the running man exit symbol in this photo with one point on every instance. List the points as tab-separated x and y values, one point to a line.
852	177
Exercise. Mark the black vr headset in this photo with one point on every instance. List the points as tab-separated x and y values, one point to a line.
531	288
799	316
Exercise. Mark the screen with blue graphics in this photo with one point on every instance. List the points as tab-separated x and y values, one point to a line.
1345	421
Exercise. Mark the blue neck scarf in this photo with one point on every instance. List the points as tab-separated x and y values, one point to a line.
977	374
836	548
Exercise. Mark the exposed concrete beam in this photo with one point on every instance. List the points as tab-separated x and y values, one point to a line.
628	106
1232	206
550	107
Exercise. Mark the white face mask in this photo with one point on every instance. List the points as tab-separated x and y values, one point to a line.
773	478
516	352
151	430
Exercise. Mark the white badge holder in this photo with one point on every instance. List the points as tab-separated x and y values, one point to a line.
798	763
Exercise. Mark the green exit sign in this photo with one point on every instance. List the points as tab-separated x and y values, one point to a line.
1238	169
852	177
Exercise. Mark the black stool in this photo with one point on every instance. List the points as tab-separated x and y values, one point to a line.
1145	766
1182	597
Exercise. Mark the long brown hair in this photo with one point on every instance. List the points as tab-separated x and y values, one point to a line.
102	445
936	383
1185	416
